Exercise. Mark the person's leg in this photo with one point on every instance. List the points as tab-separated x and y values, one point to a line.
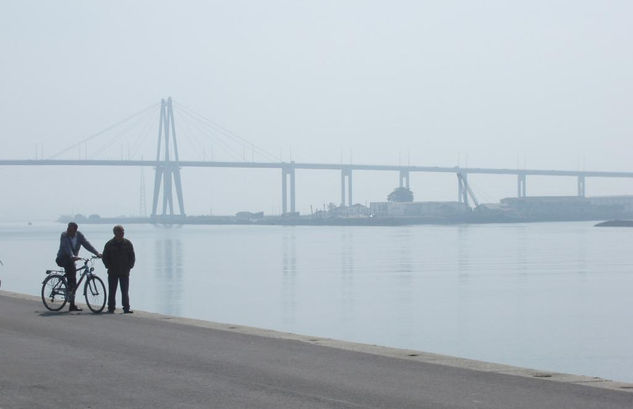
125	286
71	279
112	283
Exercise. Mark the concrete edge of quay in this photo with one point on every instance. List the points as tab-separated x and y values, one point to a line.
406	354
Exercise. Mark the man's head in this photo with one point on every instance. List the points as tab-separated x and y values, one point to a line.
118	231
72	229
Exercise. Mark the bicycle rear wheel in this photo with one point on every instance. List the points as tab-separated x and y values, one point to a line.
54	289
95	293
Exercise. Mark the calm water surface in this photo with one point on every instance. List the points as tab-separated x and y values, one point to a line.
549	296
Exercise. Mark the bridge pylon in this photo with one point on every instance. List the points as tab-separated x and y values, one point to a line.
167	169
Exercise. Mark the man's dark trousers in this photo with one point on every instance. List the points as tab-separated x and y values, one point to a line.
70	271
113	280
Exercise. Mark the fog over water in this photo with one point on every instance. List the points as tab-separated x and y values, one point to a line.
541	84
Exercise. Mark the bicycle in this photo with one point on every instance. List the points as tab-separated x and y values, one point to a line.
55	293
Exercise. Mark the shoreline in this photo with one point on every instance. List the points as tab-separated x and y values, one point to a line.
338	221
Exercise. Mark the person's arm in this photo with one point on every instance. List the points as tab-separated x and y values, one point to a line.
132	255
87	245
106	256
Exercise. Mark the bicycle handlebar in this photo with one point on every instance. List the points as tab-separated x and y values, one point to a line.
87	259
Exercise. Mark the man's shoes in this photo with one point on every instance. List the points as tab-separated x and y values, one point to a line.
128	312
110	312
74	308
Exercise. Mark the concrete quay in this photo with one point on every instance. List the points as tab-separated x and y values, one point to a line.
145	360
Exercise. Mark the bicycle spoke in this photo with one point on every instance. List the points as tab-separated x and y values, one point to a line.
54	294
95	293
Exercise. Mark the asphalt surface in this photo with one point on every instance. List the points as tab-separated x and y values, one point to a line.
85	360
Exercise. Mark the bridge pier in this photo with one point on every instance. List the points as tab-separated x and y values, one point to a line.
404	178
462	187
521	185
167	170
287	172
581	186
346	173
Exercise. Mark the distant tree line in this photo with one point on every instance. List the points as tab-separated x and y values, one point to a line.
400	194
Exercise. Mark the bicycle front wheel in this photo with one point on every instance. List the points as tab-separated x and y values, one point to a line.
95	293
54	290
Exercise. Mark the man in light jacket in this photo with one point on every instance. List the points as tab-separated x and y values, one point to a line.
119	258
69	244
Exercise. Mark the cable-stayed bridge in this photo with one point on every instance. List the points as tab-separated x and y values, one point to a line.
168	195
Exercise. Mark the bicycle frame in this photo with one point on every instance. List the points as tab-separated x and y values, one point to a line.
86	271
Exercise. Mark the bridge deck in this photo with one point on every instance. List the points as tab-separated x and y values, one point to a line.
311	166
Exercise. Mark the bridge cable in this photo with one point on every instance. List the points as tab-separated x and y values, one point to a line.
213	130
104	130
216	140
124	131
225	131
141	139
210	131
191	136
199	125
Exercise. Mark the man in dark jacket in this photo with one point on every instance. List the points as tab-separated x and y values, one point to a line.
69	244
118	257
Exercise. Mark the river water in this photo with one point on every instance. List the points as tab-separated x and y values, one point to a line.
548	296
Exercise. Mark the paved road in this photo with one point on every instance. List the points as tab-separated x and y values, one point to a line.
83	360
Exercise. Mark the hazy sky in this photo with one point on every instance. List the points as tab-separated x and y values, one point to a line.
539	84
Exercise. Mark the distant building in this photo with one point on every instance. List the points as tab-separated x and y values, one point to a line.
249	215
624	202
356	210
569	207
418	209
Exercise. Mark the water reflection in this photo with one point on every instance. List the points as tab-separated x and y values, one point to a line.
347	275
169	274
521	251
581	253
404	248
406	290
463	259
289	273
